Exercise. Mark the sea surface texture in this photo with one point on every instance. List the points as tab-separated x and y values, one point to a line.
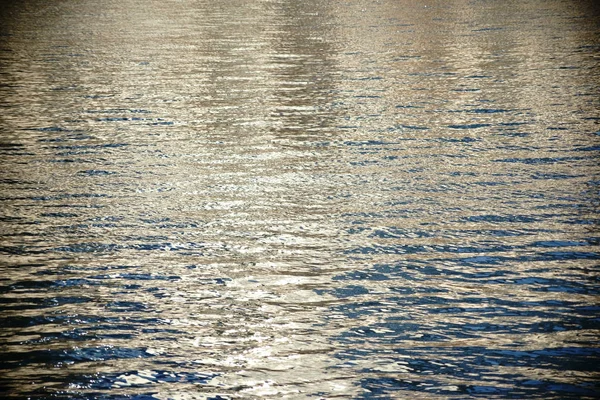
285	199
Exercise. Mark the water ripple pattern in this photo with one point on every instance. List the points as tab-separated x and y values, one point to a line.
299	199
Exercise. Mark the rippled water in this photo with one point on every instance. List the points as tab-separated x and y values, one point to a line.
293	199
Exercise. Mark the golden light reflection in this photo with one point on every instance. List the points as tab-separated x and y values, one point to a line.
289	199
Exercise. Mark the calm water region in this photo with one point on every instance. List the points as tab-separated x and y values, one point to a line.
285	199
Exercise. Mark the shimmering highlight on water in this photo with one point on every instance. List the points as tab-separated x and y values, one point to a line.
294	199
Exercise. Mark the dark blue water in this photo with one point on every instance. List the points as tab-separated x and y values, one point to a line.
299	199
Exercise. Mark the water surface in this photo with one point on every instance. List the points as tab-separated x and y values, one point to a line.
299	199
